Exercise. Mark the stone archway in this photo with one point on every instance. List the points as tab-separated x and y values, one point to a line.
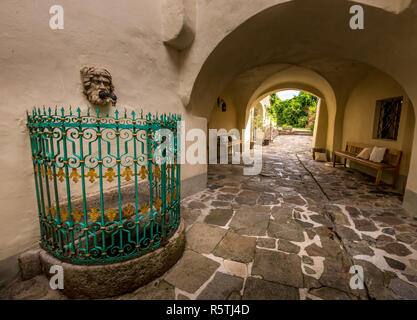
319	135
306	80
311	43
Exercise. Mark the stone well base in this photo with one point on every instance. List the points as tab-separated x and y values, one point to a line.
101	281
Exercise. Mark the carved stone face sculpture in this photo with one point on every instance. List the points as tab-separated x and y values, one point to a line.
94	81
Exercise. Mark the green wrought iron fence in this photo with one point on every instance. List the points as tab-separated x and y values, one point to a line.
103	191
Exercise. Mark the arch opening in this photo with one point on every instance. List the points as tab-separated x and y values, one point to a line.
310	45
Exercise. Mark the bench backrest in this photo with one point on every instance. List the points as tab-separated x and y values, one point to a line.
392	156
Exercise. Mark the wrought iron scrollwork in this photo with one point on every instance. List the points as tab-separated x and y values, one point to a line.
102	194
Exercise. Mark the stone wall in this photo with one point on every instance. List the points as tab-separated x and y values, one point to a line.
359	117
41	66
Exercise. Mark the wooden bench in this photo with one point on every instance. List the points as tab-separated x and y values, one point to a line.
391	162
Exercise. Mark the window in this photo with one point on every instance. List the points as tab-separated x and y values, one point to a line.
387	118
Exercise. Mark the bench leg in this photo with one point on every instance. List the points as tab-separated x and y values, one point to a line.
344	163
334	160
378	177
395	178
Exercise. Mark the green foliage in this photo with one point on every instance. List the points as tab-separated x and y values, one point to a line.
311	117
295	112
258	119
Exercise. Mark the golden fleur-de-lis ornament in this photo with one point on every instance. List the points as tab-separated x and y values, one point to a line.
77	215
64	214
111	214
75	176
143	173
49	173
94	214
144	209
52	211
110	174
92	175
61	175
158	204
129	210
127	174
43	172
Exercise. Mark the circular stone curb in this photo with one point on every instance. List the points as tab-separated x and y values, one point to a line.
109	280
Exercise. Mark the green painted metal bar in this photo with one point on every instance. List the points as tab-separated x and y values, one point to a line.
68	186
38	201
43	166
150	174
178	148
119	192
173	175
38	169
55	187
100	170
135	164
83	187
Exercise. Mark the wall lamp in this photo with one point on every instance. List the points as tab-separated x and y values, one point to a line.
222	103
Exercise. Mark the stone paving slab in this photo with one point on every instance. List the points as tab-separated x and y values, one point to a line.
282	214
266	242
403	290
203	238
191	271
278	267
288	246
291	231
219	217
326	293
190	216
236	268
376	281
236	247
257	289
36	288
222	287
156	290
250	220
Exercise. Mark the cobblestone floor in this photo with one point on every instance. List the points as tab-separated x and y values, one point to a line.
292	232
